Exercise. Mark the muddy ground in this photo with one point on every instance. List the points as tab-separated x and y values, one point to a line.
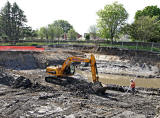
25	94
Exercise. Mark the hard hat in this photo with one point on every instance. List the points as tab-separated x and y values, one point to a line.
131	80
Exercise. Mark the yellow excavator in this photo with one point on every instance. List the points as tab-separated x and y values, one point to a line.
68	69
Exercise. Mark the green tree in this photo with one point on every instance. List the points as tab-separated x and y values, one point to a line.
43	32
51	31
12	21
28	32
111	20
58	32
87	36
93	31
18	22
1	33
148	11
145	29
72	34
65	25
5	22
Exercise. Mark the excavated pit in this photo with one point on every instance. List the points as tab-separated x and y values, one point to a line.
24	92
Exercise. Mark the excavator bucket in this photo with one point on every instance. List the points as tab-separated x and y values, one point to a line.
98	88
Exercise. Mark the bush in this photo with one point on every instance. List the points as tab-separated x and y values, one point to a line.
87	37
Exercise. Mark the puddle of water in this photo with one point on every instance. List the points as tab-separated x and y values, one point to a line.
123	80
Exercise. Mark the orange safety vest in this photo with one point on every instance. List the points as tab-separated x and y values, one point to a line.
132	84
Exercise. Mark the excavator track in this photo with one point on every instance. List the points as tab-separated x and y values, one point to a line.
58	80
53	80
97	87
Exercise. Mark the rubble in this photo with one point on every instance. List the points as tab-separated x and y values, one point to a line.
24	93
52	101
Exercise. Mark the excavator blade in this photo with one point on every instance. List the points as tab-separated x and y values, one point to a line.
98	88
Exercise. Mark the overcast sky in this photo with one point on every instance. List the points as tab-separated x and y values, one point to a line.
79	13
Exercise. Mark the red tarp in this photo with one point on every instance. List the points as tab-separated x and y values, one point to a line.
20	48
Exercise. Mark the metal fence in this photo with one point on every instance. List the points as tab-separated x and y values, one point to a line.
151	46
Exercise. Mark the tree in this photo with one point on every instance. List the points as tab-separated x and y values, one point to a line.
63	24
93	31
29	33
5	22
12	21
72	34
43	32
18	20
1	33
111	19
148	11
57	29
145	29
146	26
87	36
51	31
58	32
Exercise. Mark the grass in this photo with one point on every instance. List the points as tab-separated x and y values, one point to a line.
84	43
27	44
42	43
132	47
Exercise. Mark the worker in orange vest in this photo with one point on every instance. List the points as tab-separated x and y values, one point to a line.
132	86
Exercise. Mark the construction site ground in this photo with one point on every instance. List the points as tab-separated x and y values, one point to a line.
31	96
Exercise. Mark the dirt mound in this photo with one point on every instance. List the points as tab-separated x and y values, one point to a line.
21	82
15	81
6	79
116	88
77	85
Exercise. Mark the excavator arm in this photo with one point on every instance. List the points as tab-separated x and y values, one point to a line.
70	60
92	62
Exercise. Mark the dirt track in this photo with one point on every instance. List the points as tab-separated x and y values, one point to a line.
73	97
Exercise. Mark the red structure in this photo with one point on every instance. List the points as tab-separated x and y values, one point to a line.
20	48
79	36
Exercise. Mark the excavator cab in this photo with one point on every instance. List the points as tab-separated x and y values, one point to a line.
56	71
51	70
69	70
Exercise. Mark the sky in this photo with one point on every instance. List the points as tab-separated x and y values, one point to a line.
81	14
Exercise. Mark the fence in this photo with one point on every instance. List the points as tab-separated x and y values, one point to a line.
151	46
